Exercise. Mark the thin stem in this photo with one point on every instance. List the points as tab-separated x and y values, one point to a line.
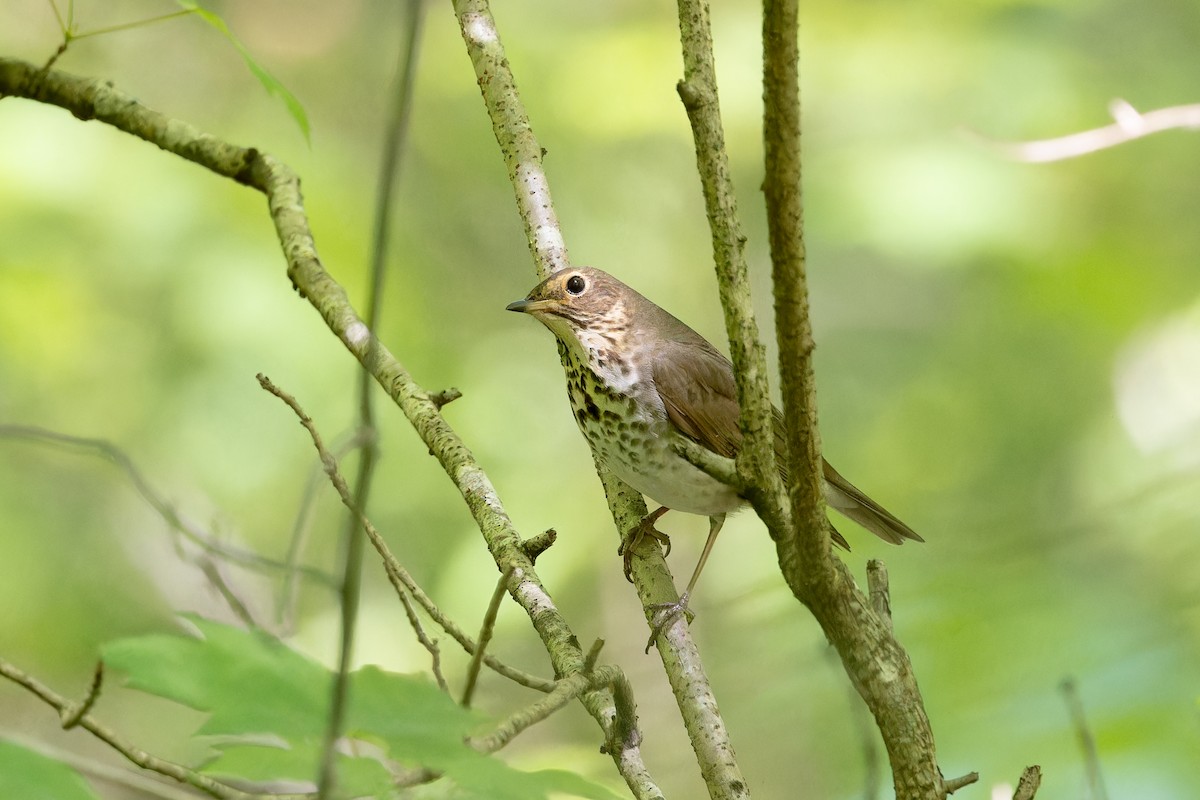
125	26
134	754
485	636
396	127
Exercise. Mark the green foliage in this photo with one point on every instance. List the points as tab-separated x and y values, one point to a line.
33	776
269	81
268	705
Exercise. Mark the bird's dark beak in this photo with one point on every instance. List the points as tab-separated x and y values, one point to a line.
528	306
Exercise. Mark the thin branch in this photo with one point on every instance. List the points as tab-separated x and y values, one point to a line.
1027	786
133	754
1129	124
212	571
698	91
565	691
1087	742
954	784
880	592
681	659
431	646
398	576
76	711
510	124
485	636
394	140
94	99
176	521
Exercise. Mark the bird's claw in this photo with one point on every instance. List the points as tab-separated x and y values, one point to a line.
635	536
665	615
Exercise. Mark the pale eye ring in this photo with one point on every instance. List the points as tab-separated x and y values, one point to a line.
576	284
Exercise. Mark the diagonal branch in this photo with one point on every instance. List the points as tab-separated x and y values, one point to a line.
95	99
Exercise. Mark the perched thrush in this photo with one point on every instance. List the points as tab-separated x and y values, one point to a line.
638	377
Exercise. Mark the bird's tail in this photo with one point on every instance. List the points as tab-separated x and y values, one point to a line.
849	500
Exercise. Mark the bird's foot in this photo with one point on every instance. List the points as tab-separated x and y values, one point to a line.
635	536
665	615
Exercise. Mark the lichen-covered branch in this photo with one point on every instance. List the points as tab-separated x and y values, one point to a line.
698	90
91	99
877	665
68	711
510	123
522	155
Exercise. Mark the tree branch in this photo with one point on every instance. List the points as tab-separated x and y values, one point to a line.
698	91
68	712
95	99
522	155
877	665
1129	124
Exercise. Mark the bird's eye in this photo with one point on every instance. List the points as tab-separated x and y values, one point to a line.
576	284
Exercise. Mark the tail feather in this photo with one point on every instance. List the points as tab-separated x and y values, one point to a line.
849	500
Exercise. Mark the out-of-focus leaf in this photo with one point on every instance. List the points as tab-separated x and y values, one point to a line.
248	682
252	685
33	776
269	81
356	777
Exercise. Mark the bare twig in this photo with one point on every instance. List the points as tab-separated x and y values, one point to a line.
879	591
212	571
431	646
534	546
396	133
485	635
444	397
1087	742
1129	124
398	576
954	784
75	712
1028	785
137	756
564	692
176	521
89	99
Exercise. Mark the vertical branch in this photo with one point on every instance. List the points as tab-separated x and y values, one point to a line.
396	128
522	155
1087	742
793	330
510	123
877	665
698	90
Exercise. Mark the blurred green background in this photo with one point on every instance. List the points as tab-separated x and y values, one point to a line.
1008	358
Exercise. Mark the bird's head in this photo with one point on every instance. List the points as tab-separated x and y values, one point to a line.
577	299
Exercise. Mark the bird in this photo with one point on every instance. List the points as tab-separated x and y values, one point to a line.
637	378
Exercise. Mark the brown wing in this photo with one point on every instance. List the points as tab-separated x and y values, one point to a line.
695	383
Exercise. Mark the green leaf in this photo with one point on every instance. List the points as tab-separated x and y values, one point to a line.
269	82
255	687
33	776
249	682
356	776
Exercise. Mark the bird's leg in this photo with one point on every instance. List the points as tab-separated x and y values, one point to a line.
666	613
638	532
